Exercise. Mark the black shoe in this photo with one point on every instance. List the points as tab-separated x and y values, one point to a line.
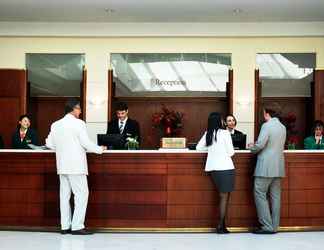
66	231
262	231
81	232
222	230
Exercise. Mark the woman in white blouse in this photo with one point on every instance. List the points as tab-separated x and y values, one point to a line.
218	142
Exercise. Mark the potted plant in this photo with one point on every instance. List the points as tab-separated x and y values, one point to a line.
132	143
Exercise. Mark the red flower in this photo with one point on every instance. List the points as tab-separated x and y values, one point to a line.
290	118
293	139
292	134
169	122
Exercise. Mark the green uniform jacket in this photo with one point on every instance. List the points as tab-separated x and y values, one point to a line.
310	143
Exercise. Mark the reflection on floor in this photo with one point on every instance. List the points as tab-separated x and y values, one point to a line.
161	241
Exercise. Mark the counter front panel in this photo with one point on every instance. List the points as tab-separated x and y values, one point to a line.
155	190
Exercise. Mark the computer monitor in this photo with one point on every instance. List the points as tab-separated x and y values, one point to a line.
111	141
239	141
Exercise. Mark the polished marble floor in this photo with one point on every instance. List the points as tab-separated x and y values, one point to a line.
161	241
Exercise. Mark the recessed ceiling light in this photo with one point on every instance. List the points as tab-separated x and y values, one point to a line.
109	10
237	11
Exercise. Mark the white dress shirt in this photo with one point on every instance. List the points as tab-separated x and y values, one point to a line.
69	138
219	152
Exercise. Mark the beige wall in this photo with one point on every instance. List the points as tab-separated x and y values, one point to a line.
97	51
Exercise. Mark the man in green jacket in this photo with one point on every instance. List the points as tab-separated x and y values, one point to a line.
315	141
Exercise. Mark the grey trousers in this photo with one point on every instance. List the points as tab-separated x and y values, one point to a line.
262	185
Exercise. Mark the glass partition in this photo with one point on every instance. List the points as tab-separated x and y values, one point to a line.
287	86
55	74
286	74
170	74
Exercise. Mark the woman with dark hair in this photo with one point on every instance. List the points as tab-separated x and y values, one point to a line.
315	141
238	138
24	135
217	141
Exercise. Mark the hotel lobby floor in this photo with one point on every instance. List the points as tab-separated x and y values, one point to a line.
157	241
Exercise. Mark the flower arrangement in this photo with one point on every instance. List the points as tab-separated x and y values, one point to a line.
292	134
132	143
169	122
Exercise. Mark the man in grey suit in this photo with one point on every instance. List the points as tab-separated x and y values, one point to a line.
270	168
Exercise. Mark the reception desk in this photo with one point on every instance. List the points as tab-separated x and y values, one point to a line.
155	191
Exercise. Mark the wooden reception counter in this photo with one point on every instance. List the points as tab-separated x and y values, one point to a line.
155	191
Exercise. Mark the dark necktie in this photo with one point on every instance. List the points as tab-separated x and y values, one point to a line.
121	127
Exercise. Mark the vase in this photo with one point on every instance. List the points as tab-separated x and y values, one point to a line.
167	131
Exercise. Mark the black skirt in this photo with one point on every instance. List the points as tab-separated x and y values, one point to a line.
224	180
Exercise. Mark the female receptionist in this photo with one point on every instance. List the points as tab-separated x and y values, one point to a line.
315	141
238	138
24	135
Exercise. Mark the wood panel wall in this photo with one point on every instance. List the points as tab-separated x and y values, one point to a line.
229	92
257	103
160	190
13	92
195	110
300	106
303	107
318	95
83	95
44	111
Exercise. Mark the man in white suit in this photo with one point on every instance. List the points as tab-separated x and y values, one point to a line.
69	138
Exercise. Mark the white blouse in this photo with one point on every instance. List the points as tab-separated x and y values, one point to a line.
219	152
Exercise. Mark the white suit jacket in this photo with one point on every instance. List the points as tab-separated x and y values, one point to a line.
219	153
70	140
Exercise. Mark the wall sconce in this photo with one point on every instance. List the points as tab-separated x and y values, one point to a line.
243	103
97	101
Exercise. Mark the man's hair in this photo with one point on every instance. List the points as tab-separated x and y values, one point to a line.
317	124
70	105
121	106
271	111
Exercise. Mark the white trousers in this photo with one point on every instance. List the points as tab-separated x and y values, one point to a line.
77	184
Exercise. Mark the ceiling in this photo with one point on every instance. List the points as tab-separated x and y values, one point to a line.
162	11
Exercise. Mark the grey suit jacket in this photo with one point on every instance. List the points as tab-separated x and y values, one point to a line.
270	146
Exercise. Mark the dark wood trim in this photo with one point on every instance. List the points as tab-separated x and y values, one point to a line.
111	93
295	98
257	101
28	85
170	99
23	91
229	91
319	82
52	98
83	94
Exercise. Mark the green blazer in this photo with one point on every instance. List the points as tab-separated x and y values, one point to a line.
310	143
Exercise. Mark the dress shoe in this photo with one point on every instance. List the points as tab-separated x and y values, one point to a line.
81	232
66	231
262	231
222	230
